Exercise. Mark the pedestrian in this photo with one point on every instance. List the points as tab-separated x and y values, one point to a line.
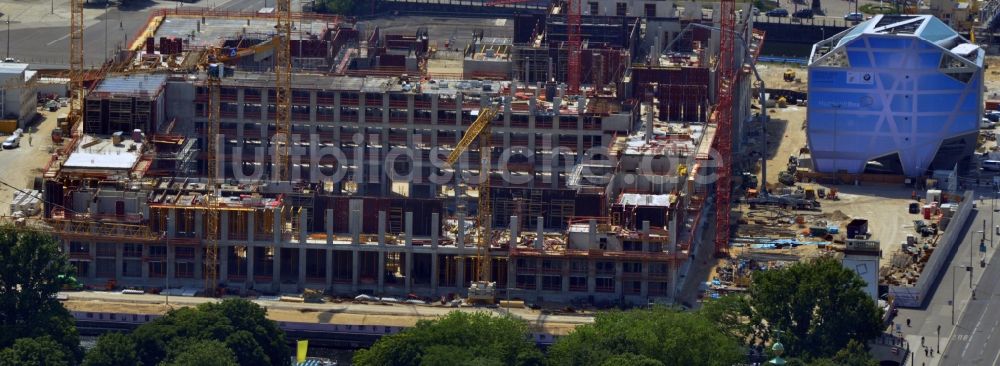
921	340
926	353
907	322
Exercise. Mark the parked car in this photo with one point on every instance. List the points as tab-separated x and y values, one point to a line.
12	142
986	124
803	14
993	116
779	12
854	17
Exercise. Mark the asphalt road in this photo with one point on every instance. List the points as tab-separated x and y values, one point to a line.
971	340
975	340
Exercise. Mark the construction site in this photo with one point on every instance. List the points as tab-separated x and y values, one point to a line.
573	160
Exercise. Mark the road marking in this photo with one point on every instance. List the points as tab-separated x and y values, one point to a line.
58	39
975	330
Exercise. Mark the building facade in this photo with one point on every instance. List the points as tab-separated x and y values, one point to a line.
894	94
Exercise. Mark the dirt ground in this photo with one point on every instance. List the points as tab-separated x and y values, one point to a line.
773	75
991	78
21	165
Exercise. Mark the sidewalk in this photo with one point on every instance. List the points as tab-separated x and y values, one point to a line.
937	315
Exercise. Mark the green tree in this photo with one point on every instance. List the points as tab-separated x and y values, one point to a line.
112	349
818	306
459	338
31	268
42	351
202	353
630	359
239	325
667	336
731	314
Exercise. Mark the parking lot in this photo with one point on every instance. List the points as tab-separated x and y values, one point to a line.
21	165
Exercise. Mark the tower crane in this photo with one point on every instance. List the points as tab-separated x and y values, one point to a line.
213	81
283	90
481	290
75	63
724	120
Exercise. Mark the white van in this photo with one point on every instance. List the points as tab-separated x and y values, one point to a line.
991	165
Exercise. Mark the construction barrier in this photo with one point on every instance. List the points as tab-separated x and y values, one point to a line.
916	296
8	126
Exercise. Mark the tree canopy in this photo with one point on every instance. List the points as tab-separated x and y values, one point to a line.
818	306
42	351
647	337
31	268
459	338
112	349
236	326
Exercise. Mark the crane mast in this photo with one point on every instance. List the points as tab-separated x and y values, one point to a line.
724	122
573	32
283	91
76	62
211	240
482	290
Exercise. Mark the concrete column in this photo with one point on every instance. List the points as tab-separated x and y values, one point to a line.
199	258
276	226
312	106
539	232
224	262
435	230
618	279
251	227
408	226
645	236
564	270
381	271
460	233
408	270
381	228
92	252
591	277
538	275
435	272
250	265
119	260
303	230
515	230
511	273
329	226
329	268
276	266
354	270
592	231
172	223
644	283
672	233
224	226
143	267
302	266
460	272
171	261
199	224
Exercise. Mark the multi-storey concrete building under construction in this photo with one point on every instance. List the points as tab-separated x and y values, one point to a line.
595	196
